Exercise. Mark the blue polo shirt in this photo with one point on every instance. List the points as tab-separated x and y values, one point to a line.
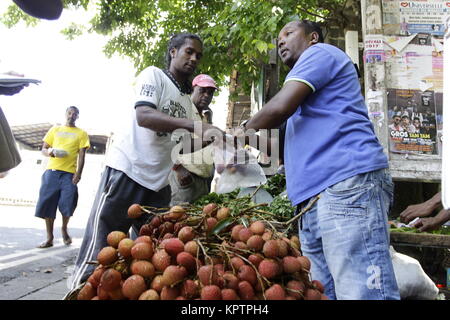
330	137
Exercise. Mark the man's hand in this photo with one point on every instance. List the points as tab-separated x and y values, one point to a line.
184	177
422	209
50	152
414	211
433	223
427	224
76	178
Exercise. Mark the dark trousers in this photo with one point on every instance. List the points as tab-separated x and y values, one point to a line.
116	193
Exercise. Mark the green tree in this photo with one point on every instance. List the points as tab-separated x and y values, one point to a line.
237	34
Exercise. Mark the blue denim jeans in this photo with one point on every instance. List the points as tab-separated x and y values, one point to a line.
346	236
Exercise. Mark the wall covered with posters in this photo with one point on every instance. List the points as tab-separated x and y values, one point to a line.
403	56
413	49
446	129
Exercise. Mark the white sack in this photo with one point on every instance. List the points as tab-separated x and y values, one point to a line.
412	281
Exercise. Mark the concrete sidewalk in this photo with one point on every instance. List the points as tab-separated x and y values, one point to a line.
42	284
54	291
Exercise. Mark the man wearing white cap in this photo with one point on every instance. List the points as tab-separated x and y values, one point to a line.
191	176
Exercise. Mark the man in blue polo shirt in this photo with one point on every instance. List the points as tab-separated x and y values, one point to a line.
332	154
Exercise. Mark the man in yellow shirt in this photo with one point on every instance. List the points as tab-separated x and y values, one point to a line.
66	146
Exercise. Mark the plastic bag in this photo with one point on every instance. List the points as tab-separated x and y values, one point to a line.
236	166
58	153
412	281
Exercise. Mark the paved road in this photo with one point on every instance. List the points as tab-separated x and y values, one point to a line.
25	271
30	273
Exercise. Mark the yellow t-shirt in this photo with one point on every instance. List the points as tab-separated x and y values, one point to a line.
69	139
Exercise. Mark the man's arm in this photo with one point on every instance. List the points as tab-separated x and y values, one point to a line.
77	176
422	209
155	120
278	110
280	107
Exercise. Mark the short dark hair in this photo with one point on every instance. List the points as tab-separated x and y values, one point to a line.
311	26
73	107
176	41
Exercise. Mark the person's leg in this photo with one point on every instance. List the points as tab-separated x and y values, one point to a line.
64	231
47	204
67	203
352	215
49	228
311	247
103	212
117	192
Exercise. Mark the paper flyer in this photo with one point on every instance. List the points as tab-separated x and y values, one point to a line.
411	17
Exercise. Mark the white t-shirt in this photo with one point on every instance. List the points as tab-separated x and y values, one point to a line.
142	154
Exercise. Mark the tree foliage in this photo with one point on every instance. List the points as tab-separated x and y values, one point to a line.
237	34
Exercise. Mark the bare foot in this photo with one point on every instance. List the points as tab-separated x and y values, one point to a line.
66	238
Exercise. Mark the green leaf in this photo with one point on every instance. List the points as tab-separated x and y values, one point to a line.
221	225
236	34
261	46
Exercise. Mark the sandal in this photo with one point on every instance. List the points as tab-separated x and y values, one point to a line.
45	244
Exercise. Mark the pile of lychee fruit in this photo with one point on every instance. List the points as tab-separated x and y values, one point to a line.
177	257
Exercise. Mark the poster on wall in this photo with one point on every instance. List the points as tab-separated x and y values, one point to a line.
414	120
410	17
411	65
414	65
374	48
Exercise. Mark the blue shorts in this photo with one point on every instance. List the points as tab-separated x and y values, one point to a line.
57	191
